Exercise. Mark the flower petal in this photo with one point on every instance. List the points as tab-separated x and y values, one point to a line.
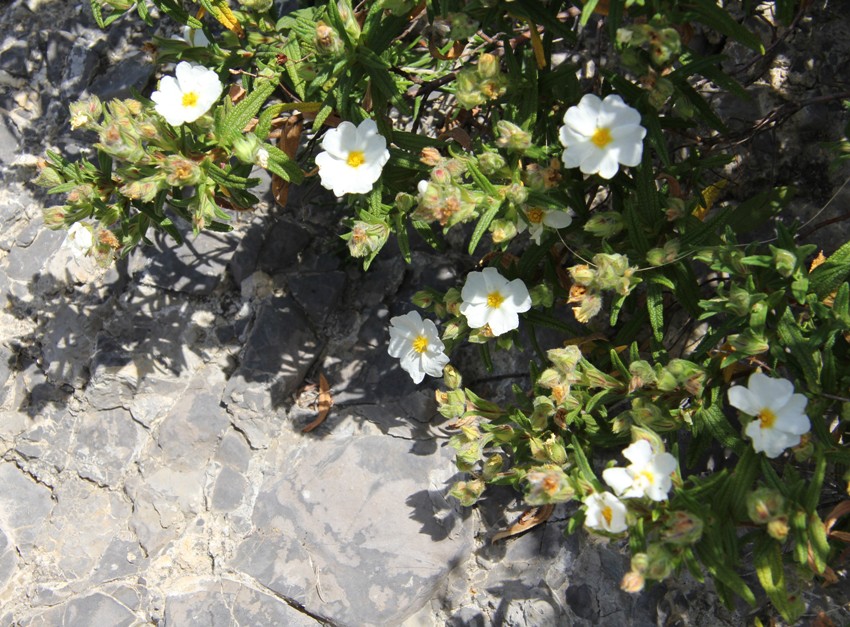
639	453
771	392
744	400
618	478
502	320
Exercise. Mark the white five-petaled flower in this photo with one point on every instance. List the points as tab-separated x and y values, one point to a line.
353	159
188	94
417	344
538	217
598	135
489	298
79	239
779	415
605	512
647	475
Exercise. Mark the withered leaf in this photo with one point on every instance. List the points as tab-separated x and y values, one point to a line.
288	141
530	518
324	405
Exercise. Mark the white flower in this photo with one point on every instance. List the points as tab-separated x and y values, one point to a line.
188	96
79	239
648	474
779	414
538	217
195	37
600	134
489	298
353	159
605	512
417	344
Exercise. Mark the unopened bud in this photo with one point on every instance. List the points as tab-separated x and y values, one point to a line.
502	230
468	492
491	162
180	171
542	295
492	466
452	378
764	505
778	528
784	260
430	156
512	137
86	113
488	65
683	528
54	217
605	224
327	39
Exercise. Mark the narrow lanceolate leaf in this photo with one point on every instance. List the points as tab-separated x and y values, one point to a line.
829	275
800	350
220	10
655	308
771	574
233	124
483	224
279	163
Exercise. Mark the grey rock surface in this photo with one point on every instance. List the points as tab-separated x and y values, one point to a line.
153	470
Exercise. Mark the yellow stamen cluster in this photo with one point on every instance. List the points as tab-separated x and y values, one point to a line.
535	215
190	99
420	344
495	299
602	137
356	158
766	418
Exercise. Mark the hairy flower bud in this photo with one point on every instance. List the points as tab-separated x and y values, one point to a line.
491	162
54	217
86	113
784	261
180	171
430	156
605	224
512	137
327	40
547	484
764	505
452	378
468	492
683	528
502	230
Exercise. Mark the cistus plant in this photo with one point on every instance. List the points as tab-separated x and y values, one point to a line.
694	401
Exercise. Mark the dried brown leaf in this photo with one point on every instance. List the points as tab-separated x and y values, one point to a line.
530	518
290	138
324	405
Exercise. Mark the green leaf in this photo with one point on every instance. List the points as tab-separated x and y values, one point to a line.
483	224
771	575
655	308
799	350
321	116
720	20
401	234
582	463
828	276
279	163
818	542
232	126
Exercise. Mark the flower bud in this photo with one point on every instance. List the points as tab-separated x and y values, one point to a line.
583	274
488	65
452	300
246	146
784	260
633	581
451	330
675	209
452	378
660	562
749	342
666	254
554	449
778	528
491	162
468	492
423	299
502	230
430	156
544	409
461	26
492	466
605	224
352	27
683	528
764	505
441	176
48	177
642	374
547	484
516	193
54	217
566	359
739	300
327	40
261	6
86	113
180	171
512	137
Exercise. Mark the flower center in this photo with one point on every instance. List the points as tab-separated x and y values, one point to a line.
535	216
607	514
602	137
356	158
420	344
648	476
550	485
495	299
766	418
190	99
